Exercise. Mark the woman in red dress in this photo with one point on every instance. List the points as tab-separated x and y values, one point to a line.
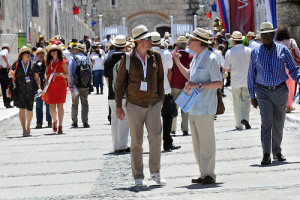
57	89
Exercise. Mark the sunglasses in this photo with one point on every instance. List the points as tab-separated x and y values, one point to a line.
54	50
26	52
266	34
147	39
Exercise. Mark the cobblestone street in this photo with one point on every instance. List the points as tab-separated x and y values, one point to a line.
80	165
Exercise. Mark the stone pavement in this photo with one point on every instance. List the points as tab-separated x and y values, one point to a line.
80	165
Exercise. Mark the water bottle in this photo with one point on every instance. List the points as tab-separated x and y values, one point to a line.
75	91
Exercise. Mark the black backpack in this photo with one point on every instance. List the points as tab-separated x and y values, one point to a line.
83	73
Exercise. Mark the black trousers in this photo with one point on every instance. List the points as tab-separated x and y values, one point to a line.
167	118
5	81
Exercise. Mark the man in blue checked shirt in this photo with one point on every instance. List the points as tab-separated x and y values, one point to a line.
268	90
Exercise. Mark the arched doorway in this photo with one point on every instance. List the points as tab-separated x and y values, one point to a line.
162	29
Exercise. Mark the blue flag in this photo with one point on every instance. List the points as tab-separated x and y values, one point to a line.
93	23
213	8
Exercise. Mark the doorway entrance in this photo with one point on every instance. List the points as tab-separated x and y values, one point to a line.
162	29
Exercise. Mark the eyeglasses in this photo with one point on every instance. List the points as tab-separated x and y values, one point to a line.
147	39
26	52
54	50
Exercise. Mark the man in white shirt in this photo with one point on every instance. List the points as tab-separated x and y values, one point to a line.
166	111
237	61
252	43
218	53
4	68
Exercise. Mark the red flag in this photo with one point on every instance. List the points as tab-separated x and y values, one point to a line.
242	16
208	15
75	10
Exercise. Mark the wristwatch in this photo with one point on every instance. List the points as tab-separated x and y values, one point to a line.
200	85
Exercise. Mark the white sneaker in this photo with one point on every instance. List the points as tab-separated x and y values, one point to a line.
159	180
140	183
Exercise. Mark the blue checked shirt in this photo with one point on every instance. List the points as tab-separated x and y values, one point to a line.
268	67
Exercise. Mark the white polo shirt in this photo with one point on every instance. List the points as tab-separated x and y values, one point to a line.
237	59
4	52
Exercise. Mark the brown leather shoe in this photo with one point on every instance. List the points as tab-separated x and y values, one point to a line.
197	180
208	180
185	133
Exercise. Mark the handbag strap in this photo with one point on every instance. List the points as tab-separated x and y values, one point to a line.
54	67
15	72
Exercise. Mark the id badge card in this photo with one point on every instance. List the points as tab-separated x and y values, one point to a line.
27	79
143	86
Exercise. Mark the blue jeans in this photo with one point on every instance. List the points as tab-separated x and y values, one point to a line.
39	111
98	79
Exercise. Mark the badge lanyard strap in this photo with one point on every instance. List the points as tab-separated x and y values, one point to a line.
144	64
25	70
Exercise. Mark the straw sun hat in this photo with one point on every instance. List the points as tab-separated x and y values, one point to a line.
140	32
202	35
120	41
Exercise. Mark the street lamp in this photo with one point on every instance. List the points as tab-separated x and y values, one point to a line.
94	10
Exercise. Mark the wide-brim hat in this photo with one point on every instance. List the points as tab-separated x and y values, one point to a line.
54	46
41	36
120	41
22	50
140	32
80	46
97	44
201	35
250	34
39	50
258	36
266	27
237	36
219	33
167	34
156	39
5	45
181	39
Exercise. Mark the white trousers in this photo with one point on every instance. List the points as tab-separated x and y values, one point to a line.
119	128
204	143
241	104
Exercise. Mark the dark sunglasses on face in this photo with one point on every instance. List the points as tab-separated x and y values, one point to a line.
147	39
54	50
266	34
26	52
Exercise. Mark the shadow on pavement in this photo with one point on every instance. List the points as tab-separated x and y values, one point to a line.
200	186
274	163
16	137
140	189
49	134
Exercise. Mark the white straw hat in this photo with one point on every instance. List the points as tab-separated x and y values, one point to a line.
202	35
140	32
237	36
120	41
156	38
266	27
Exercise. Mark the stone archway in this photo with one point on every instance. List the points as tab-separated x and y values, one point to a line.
149	18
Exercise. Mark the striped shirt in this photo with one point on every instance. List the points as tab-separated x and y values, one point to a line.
268	67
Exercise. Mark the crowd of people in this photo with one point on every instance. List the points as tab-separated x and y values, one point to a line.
146	73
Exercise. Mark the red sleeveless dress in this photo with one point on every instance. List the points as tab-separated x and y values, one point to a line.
57	90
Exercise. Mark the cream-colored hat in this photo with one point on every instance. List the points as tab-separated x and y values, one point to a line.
54	46
39	50
218	33
156	38
140	32
181	39
258	36
237	36
120	41
22	50
266	27
251	34
80	47
202	35
5	45
97	44
167	34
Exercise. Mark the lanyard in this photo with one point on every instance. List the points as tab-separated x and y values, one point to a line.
144	64
52	67
25	70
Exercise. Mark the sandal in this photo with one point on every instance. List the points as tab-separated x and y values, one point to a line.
290	109
60	130
26	133
54	126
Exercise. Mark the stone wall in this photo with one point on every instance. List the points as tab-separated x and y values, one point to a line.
288	13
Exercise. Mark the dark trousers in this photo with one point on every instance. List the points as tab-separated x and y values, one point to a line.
167	119
98	80
5	81
39	111
272	105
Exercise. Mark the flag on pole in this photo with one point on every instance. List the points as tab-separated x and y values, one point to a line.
214	8
75	10
271	12
224	7
208	15
93	23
